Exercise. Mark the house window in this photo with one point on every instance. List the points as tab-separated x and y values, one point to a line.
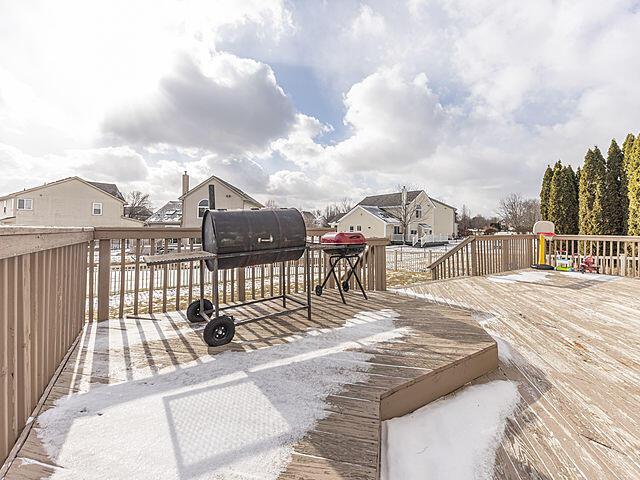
414	232
228	196
418	211
351	228
25	204
203	206
96	208
359	228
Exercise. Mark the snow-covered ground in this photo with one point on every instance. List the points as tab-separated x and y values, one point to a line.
542	276
454	438
235	415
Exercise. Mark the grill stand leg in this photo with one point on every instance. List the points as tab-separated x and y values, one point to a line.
216	295
283	284
333	261
355	274
308	275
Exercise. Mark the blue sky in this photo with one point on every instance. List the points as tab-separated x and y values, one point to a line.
309	102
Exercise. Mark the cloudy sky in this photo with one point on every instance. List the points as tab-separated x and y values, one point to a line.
308	102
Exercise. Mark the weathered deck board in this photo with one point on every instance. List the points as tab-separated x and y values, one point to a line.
344	444
577	347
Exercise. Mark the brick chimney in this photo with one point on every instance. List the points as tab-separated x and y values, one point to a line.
185	183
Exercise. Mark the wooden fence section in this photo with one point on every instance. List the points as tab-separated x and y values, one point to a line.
43	276
120	283
614	255
485	255
412	261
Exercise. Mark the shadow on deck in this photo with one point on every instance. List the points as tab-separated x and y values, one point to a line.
122	360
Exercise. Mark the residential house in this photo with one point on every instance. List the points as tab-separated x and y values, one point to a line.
310	220
389	215
169	215
195	201
70	202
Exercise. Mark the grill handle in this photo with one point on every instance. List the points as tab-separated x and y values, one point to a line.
268	239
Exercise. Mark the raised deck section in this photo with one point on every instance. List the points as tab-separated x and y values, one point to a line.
572	344
444	349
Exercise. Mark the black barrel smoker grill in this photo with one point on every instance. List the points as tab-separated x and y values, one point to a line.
238	239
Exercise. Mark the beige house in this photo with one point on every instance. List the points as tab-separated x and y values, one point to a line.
195	201
70	202
403	217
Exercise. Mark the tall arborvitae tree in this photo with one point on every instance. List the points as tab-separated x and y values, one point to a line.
627	148
633	191
614	201
572	186
544	192
591	193
563	201
554	205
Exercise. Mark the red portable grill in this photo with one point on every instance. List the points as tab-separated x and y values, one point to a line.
342	246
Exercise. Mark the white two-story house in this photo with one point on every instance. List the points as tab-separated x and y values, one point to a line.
404	217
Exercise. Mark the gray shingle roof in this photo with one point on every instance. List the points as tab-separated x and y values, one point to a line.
110	188
389	199
170	213
380	213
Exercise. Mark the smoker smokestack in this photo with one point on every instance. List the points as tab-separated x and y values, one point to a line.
185	183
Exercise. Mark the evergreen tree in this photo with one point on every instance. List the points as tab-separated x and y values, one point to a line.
578	179
591	193
572	179
563	200
627	148
614	201
544	192
633	193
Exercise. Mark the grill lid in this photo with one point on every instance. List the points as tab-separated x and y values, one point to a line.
256	236
343	238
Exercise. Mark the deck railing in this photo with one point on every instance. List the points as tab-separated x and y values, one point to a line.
43	276
120	283
613	255
485	255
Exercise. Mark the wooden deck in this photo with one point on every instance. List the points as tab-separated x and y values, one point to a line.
444	350
573	344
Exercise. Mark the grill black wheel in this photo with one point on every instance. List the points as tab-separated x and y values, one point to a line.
345	286
219	331
318	290
193	310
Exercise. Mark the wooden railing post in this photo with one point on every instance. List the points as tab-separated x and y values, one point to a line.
104	278
474	258
242	287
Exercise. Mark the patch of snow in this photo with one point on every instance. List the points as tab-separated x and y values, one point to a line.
234	415
596	277
533	276
453	438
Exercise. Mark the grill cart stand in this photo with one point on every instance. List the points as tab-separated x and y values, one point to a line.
220	328
337	253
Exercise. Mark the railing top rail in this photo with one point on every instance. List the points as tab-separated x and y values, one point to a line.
505	237
618	238
23	240
452	252
13	230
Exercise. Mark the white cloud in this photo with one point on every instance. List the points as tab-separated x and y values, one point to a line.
218	102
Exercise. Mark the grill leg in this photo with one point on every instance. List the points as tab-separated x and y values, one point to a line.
308	276
216	296
202	289
283	284
355	275
335	275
